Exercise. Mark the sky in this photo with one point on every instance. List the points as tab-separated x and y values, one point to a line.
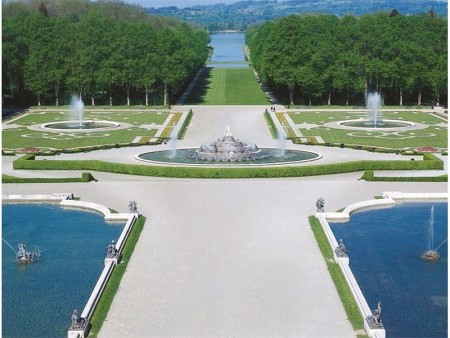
178	3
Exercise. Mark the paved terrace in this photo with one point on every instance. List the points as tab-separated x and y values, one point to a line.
225	257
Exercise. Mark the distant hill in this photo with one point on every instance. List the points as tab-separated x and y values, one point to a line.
240	15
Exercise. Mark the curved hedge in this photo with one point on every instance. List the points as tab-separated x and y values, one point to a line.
28	162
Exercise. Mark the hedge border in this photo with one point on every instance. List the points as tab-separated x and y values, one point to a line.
369	176
85	178
430	162
343	290
273	129
106	299
184	126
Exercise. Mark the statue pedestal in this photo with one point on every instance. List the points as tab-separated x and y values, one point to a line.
374	332
115	260
337	259
78	333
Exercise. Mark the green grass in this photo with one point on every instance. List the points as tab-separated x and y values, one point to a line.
345	294
141	123
232	86
112	286
434	135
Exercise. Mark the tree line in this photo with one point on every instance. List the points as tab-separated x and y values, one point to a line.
323	59
106	52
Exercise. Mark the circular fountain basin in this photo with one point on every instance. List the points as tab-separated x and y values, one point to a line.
184	157
80	125
385	124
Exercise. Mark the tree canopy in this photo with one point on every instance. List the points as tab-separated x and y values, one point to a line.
103	51
326	59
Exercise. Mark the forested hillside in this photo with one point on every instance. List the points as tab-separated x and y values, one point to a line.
109	53
216	16
324	59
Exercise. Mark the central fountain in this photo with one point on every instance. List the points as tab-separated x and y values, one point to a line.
229	149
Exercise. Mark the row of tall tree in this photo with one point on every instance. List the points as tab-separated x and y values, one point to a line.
325	59
106	50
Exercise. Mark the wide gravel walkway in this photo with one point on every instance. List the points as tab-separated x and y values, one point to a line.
226	257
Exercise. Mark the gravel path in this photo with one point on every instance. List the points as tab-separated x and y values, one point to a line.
224	257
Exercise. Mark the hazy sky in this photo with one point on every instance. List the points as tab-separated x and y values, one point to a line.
178	3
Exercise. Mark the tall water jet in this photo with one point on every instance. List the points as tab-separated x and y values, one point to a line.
77	122
282	142
374	110
8	244
77	107
431	254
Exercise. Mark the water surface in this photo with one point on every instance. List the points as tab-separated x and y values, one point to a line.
38	299
228	48
385	248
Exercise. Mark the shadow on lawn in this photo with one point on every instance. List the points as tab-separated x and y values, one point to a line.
198	93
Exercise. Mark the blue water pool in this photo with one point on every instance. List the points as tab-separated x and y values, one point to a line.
38	299
228	47
385	248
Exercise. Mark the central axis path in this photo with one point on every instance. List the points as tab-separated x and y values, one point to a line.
223	258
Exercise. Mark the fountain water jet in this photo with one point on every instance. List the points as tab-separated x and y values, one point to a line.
374	118
281	142
7	243
374	110
79	124
431	254
77	107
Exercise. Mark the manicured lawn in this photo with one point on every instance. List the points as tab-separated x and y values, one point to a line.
234	86
16	133
312	124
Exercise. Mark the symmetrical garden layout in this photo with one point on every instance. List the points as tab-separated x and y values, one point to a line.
136	127
321	127
141	126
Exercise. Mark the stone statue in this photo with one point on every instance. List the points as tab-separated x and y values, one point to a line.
341	250
320	205
112	250
374	320
77	322
25	257
22	252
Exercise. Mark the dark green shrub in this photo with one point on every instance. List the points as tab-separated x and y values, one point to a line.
184	126
27	162
273	129
369	175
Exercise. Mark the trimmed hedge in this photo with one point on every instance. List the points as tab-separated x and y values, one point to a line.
104	304
369	175
28	162
85	177
345	294
269	120
184	126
